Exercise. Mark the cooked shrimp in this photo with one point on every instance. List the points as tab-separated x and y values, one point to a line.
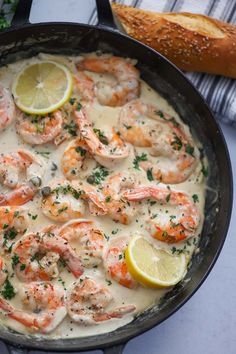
83	92
144	125
7	108
90	240
73	159
37	130
127	87
3	271
61	202
107	152
87	301
13	217
27	250
19	196
15	163
175	229
117	207
94	197
84	87
12	166
43	307
13	222
69	127
115	264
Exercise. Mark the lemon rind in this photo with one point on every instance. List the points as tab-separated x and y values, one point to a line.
52	108
145	279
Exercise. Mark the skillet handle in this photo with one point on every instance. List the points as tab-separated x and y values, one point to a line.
15	350
117	349
105	16
22	13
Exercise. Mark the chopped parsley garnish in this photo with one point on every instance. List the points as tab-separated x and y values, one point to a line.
108	282
15	259
189	149
172	119
175	250
98	175
9	249
79	106
67	189
195	198
168	198
22	267
33	258
80	150
204	170
138	159
176	143
45	154
106	237
62	262
127	126
174	122
33	217
108	199
8	291
165	234
9	234
62	209
149	174
101	136
71	128
62	282
39	123
72	100
160	113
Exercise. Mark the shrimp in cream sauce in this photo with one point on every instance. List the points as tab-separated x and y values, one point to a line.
77	184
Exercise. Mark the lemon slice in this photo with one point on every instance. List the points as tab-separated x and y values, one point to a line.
154	267
42	87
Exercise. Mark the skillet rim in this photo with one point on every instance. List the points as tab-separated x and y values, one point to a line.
150	322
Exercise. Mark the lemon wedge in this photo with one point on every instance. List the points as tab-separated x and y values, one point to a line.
154	267
42	87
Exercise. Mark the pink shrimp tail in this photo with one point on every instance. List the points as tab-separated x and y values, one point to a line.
5	306
117	313
19	196
139	193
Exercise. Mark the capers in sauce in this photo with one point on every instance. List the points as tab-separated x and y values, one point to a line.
46	191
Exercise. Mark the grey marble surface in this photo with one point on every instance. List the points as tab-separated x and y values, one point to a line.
207	323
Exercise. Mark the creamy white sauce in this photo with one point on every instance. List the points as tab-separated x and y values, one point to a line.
104	118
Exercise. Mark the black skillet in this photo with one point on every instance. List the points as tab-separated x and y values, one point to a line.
24	40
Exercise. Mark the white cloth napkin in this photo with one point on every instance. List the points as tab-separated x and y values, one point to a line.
219	92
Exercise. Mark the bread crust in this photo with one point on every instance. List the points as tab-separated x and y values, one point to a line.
193	42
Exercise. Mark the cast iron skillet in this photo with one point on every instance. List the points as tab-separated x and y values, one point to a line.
24	40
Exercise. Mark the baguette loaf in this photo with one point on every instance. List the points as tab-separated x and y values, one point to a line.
193	42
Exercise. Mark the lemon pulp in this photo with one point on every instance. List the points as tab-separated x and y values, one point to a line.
42	87
152	266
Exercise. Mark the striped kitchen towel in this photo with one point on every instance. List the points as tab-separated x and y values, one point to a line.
219	92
